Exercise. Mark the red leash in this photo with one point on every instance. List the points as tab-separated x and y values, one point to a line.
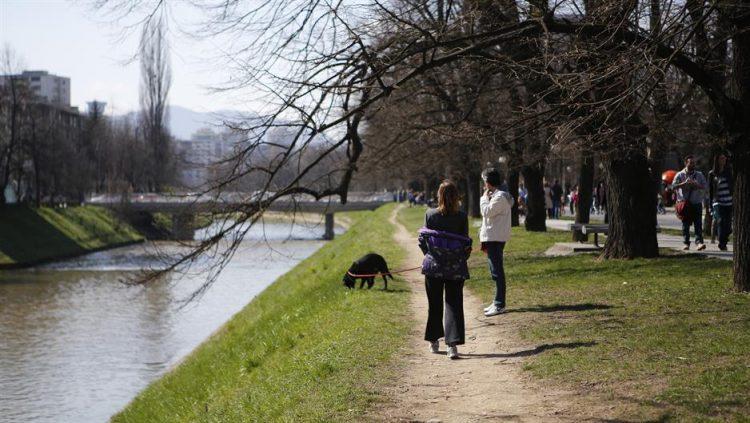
385	273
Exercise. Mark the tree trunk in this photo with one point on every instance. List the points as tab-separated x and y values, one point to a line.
536	215
585	191
741	213
473	192
741	154
513	189
631	199
462	181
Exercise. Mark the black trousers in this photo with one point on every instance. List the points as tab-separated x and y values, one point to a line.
452	325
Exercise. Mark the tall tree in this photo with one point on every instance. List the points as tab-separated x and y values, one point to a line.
156	78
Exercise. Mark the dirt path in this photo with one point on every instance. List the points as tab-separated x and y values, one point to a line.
486	384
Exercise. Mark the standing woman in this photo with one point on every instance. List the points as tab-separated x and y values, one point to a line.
494	233
548	200
446	244
720	187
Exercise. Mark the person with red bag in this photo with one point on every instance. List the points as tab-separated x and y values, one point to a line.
689	185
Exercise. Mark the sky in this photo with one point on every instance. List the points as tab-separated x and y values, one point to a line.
68	38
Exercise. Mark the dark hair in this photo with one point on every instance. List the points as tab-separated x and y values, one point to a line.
715	168
448	198
688	157
492	177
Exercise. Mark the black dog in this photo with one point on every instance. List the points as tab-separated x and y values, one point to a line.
369	264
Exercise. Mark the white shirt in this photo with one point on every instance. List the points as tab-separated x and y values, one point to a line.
495	217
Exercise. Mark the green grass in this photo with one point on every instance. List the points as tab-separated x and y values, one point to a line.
30	235
306	349
666	336
163	221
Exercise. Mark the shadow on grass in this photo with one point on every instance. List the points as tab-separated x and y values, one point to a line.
28	237
534	351
561	307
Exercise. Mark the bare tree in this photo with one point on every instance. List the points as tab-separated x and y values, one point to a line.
156	80
325	65
14	96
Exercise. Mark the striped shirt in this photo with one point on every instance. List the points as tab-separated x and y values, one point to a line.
723	194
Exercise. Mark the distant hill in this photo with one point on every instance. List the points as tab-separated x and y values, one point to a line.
183	122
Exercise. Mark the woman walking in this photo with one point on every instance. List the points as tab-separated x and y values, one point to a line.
446	244
494	233
720	187
548	205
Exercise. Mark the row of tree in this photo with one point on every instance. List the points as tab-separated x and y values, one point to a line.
51	154
441	87
620	82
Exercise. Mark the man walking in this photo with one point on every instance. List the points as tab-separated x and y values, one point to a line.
557	195
689	185
495	206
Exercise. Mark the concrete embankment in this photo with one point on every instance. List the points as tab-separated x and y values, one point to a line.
32	236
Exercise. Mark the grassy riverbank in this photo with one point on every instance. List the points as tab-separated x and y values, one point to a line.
306	349
666	337
35	235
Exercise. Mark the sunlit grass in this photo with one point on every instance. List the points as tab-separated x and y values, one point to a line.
666	334
306	349
29	235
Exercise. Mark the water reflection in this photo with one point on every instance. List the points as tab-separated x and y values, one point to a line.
76	345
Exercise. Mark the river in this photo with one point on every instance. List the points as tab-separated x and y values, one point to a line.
76	345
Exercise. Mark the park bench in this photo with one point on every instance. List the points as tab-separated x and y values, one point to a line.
591	228
594	228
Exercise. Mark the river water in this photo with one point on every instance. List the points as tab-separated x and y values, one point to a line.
76	345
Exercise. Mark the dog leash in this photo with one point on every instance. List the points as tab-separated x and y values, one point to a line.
393	272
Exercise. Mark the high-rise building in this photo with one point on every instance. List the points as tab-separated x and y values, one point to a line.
48	88
202	154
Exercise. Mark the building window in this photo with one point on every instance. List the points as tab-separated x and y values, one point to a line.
35	78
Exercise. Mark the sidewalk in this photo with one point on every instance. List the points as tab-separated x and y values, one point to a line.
665	241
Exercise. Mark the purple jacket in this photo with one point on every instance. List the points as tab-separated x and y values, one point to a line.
445	254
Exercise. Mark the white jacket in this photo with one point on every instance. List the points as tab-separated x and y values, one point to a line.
495	217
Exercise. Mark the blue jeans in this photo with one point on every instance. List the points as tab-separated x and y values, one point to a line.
556	209
495	258
697	220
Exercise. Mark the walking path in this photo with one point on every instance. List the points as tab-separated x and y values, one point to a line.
487	383
664	240
668	220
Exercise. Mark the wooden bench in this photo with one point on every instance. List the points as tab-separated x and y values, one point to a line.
596	229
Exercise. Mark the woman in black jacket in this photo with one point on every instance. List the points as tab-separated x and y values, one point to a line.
446	244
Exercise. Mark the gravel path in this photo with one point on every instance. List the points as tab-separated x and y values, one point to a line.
487	383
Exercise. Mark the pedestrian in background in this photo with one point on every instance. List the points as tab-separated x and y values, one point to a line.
557	195
720	193
548	199
689	185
